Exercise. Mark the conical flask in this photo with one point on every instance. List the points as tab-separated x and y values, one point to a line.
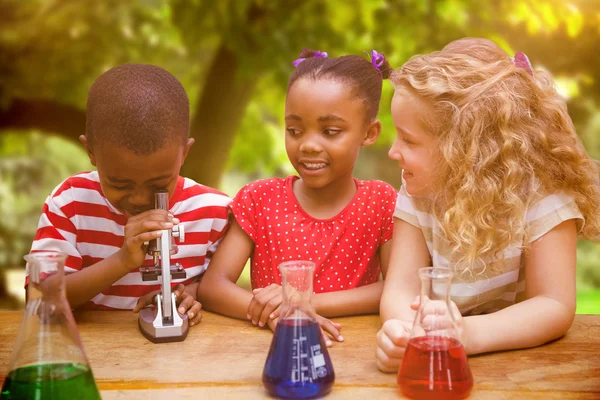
48	361
298	365
435	362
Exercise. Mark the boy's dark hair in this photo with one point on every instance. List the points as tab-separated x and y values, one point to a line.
366	81
140	107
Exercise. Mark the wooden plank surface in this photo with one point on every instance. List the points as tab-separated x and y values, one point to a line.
224	358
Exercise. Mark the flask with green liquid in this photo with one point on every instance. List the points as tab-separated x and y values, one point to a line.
48	361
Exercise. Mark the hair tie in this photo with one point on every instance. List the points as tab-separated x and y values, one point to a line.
377	60
316	55
521	60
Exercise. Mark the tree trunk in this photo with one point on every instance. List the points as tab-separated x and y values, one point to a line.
45	115
217	117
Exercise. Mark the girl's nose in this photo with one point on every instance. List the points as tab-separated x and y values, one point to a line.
395	153
310	144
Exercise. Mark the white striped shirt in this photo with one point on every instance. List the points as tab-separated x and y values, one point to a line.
78	220
502	282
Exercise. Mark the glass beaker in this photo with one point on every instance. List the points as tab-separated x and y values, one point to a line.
48	361
435	362
298	365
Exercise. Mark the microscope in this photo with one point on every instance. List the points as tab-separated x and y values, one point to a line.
163	323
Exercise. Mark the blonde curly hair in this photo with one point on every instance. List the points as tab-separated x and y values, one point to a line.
505	139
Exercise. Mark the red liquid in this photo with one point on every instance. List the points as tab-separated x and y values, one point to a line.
435	368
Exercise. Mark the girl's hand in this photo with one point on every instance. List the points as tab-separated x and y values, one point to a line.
186	302
265	304
333	328
438	320
392	339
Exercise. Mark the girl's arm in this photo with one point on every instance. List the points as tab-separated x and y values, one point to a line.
549	309
361	300
409	252
217	290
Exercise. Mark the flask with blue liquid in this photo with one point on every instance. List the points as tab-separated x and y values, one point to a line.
298	365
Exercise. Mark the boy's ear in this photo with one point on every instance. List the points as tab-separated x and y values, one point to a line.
188	144
84	141
373	131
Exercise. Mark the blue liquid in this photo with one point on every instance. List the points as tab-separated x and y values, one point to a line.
298	365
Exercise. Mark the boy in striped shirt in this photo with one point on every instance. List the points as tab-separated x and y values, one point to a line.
137	137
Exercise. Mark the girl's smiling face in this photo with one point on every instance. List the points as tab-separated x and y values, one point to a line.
415	148
325	130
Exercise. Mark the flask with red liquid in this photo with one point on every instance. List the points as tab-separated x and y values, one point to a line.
435	362
298	365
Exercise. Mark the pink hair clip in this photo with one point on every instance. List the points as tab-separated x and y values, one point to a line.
521	60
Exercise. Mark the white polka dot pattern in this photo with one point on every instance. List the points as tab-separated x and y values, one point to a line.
343	248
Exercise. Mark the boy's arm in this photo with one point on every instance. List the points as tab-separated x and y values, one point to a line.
83	285
549	309
217	290
357	301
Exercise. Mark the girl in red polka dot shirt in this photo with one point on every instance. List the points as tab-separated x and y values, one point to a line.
324	215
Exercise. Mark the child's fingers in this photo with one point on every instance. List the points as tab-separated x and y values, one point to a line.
139	240
141	303
276	312
144	301
179	292
271	306
397	331
328	342
259	301
415	304
385	344
194	313
386	363
186	304
329	327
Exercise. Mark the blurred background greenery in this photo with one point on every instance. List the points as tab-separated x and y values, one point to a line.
234	58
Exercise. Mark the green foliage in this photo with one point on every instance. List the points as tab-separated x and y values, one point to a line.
588	265
588	302
31	165
54	49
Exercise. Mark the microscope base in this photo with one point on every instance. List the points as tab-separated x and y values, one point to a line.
156	336
153	327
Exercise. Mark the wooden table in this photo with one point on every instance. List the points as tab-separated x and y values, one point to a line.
224	358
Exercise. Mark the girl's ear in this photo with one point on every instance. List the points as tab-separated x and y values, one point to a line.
373	131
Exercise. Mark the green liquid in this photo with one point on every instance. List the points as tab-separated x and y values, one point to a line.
50	381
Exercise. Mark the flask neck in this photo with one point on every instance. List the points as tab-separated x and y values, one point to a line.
297	287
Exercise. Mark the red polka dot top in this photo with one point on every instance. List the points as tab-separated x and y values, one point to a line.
344	248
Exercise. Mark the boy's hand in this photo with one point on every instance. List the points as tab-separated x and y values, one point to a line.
333	328
143	228
265	304
185	301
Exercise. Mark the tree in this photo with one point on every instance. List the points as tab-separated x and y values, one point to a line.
223	51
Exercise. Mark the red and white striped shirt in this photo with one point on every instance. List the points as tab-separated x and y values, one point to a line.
78	220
